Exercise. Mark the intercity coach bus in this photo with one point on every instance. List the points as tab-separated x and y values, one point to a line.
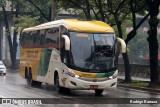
70	54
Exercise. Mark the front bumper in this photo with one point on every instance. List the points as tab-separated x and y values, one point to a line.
2	71
76	83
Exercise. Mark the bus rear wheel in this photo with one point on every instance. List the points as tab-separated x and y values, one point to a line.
29	78
31	82
98	91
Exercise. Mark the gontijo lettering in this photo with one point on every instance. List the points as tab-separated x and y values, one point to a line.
32	54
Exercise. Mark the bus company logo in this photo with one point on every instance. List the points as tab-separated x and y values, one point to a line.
64	81
94	80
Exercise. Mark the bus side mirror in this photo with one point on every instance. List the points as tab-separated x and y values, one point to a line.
123	44
67	42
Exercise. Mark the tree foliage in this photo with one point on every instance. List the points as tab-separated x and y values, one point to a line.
117	13
26	21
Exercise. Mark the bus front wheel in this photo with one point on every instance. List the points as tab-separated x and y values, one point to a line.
58	88
98	91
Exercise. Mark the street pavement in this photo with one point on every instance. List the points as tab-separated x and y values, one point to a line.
14	86
135	78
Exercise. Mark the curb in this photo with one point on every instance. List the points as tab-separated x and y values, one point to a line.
140	88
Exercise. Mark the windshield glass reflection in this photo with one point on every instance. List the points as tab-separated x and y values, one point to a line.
92	51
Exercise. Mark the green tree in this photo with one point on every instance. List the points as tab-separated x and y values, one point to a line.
114	12
32	8
23	21
12	46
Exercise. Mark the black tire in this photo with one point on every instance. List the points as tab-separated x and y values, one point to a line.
4	73
29	78
26	72
36	83
58	88
31	82
98	91
67	90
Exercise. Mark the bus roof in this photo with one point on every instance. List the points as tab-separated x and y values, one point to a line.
74	24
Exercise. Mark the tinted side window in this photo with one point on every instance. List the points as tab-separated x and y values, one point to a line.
22	38
25	39
52	38
30	39
47	38
42	38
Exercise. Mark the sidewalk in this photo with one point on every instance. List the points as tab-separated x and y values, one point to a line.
135	78
12	70
125	85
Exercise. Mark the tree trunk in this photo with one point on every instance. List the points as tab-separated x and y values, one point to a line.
88	9
101	10
125	55
15	44
127	68
11	49
153	49
152	40
52	10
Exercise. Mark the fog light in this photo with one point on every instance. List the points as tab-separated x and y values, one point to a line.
113	84
73	83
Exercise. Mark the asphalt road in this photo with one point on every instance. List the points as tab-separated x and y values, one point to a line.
14	86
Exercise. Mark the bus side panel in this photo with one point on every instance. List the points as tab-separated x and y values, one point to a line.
22	62
30	58
55	65
35	61
51	62
44	65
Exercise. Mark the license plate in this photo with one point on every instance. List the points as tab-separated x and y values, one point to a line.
93	87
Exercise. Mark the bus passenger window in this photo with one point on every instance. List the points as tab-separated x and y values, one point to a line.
42	40
52	37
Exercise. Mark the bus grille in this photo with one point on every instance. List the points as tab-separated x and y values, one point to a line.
94	79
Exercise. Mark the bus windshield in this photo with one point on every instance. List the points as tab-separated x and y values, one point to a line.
92	51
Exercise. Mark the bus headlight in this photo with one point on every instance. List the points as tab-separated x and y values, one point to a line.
72	74
114	75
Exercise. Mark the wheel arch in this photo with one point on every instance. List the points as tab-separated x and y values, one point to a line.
55	74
